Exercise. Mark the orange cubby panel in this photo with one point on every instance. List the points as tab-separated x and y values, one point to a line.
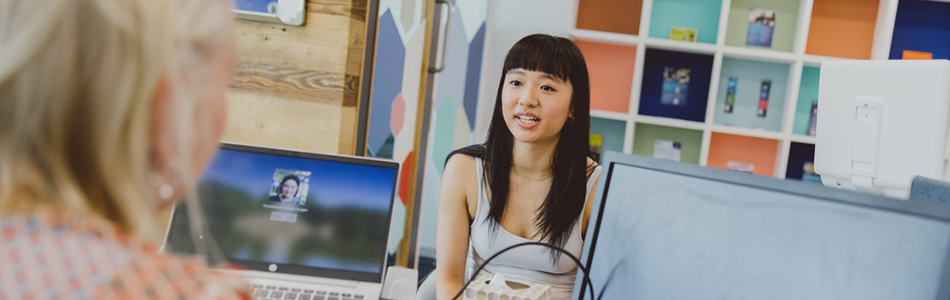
727	148
842	28
611	74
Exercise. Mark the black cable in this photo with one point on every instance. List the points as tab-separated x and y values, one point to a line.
559	249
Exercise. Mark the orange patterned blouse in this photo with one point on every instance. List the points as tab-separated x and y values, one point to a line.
51	256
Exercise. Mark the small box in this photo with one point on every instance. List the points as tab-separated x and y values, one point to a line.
910	54
515	290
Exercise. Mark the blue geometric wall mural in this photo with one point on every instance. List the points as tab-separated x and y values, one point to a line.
387	83
473	76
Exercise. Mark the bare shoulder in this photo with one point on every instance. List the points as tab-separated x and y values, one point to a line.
460	175
460	166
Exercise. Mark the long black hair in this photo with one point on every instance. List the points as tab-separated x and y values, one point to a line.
565	199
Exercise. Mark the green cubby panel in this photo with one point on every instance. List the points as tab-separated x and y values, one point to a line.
783	31
690	141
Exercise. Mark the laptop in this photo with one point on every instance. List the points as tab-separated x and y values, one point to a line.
301	225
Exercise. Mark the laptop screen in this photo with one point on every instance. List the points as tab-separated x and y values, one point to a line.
293	213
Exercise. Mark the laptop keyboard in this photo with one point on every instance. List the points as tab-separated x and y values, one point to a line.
287	293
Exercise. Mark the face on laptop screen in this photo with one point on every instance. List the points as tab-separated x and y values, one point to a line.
307	216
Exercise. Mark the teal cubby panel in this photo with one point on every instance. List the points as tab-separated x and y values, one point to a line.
750	75
612	131
806	96
702	15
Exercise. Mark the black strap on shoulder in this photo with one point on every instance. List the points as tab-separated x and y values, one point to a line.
476	151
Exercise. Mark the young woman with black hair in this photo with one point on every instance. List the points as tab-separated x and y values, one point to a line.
530	181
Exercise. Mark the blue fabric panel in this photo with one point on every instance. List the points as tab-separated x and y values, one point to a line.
922	26
652	90
798	155
929	190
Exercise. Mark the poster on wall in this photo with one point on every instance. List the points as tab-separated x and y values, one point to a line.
287	12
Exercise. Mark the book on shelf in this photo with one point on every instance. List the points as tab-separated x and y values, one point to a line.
761	27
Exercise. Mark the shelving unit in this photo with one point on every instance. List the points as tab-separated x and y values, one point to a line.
635	87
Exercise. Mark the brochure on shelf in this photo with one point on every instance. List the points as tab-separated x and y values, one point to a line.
731	94
683	34
671	150
813	118
740	166
911	54
675	86
764	98
761	27
596	145
808	173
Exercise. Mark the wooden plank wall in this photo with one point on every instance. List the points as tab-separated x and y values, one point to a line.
298	87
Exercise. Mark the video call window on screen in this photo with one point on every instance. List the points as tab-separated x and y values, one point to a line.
290	187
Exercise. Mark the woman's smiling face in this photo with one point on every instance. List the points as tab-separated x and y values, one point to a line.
535	105
288	190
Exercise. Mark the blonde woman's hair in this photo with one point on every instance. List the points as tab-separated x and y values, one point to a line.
77	79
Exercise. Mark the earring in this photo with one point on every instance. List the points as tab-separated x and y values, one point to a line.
162	187
165	188
166	191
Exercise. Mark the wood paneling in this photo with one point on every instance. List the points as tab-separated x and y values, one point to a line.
298	87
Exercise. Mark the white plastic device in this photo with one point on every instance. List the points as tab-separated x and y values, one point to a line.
287	12
880	123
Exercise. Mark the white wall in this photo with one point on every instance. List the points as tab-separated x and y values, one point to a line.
508	22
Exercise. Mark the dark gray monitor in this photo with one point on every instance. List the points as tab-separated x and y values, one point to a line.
665	230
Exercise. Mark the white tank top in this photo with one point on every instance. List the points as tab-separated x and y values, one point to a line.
532	263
